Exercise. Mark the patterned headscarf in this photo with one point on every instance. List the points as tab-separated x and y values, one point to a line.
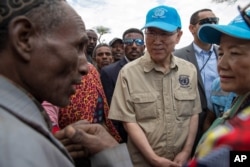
12	8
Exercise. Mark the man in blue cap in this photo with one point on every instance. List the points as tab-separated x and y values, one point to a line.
156	96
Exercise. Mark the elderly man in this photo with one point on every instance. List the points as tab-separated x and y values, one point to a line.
41	58
156	96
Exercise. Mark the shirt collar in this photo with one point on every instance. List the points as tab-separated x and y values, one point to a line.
199	50
149	64
126	59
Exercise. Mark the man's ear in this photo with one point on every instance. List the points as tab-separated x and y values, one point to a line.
179	35
192	28
21	31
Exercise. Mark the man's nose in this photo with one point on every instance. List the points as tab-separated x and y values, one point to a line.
83	65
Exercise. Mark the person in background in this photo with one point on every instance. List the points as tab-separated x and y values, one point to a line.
102	56
117	49
134	48
231	131
92	42
42	59
221	101
156	96
204	56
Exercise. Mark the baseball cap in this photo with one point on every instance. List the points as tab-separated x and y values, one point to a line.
211	33
163	17
114	40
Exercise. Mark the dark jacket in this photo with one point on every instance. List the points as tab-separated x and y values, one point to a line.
109	76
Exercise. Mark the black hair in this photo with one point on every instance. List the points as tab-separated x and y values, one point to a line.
132	30
98	46
195	16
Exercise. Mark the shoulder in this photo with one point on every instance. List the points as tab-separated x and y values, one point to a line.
111	67
133	64
182	50
185	68
181	63
92	74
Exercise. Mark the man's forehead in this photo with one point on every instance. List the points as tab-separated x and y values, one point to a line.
12	8
91	34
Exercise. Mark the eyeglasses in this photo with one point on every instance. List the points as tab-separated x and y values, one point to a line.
164	34
209	20
130	42
245	14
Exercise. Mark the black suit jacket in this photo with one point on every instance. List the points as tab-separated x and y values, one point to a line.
109	76
188	53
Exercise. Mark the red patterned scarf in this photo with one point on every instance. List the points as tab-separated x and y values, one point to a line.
88	103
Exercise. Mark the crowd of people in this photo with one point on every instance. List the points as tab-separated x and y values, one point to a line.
67	100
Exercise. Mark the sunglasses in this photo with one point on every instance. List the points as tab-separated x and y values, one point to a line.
209	20
138	42
245	13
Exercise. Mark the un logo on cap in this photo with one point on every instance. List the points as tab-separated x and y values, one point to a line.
160	13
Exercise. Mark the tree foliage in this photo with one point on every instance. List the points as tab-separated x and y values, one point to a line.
101	30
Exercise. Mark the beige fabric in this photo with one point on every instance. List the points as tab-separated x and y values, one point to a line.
162	104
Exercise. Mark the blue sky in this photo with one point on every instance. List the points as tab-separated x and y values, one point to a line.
120	15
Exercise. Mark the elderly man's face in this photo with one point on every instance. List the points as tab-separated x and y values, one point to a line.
234	64
58	61
160	44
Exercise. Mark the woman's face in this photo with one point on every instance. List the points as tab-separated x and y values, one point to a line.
234	64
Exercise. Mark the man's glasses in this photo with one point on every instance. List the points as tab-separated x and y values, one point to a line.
138	42
209	20
245	13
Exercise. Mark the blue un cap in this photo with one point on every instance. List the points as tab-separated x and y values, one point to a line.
238	28
163	17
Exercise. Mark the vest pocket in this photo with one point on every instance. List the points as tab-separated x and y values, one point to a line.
145	105
184	103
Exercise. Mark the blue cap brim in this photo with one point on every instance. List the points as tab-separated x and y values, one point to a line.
162	26
211	33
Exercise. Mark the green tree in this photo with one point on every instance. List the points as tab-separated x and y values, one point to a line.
101	30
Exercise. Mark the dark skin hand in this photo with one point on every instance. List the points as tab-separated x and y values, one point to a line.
82	139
